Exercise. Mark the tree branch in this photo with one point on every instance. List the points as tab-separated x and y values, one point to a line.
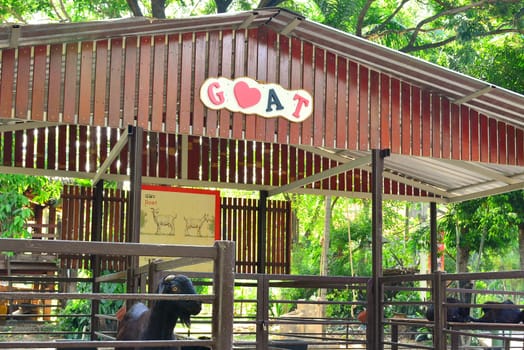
361	16
390	17
412	48
450	11
135	9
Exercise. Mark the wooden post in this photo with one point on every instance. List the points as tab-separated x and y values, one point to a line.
261	238
223	288
374	330
262	326
433	236
135	136
96	236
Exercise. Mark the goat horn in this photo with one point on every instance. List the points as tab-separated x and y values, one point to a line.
169	278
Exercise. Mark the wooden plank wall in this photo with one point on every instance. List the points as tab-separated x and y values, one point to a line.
154	81
82	149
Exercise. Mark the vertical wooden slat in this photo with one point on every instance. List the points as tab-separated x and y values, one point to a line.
30	149
374	113
405	108
193	158
130	81
284	172
82	150
493	140
502	159
395	116
22	82
100	82
385	112
200	74
7	82
93	149
252	67
511	145
223	160
308	78
330	116
455	131
271	77
266	164
363	112
213	66
144	85
232	161
186	77
436	129
484	140
296	83
520	147
162	155
55	88
261	60
250	160
284	80
39	82
415	122
153	154
241	154
465	137
446	129
41	154
215	159
157	101
205	151
86	76
342	108
426	123
115	83
474	136
62	145
258	160
70	79
51	148
227	56
319	97
73	148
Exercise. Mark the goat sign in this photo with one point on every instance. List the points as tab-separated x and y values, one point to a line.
247	96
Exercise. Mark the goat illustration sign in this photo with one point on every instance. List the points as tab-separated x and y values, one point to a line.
171	215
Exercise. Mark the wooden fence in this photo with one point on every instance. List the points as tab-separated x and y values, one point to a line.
239	220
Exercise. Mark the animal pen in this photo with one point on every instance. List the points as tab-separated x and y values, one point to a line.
265	101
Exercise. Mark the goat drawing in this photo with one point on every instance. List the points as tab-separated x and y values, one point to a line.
163	220
194	226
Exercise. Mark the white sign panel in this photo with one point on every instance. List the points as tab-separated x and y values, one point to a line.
247	96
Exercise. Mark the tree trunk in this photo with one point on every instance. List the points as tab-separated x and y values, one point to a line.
324	267
158	8
521	245
135	9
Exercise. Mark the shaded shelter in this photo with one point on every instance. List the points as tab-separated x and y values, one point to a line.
383	124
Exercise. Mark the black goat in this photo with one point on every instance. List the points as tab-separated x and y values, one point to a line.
159	321
501	315
454	314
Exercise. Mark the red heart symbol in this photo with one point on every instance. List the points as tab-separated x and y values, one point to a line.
245	95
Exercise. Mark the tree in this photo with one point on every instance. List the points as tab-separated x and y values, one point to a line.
16	194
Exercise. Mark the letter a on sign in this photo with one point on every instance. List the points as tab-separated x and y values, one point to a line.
247	96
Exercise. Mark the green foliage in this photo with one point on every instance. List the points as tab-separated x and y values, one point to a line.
16	191
79	310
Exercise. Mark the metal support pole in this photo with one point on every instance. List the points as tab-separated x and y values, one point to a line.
223	288
135	136
261	250
375	333
433	235
96	236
